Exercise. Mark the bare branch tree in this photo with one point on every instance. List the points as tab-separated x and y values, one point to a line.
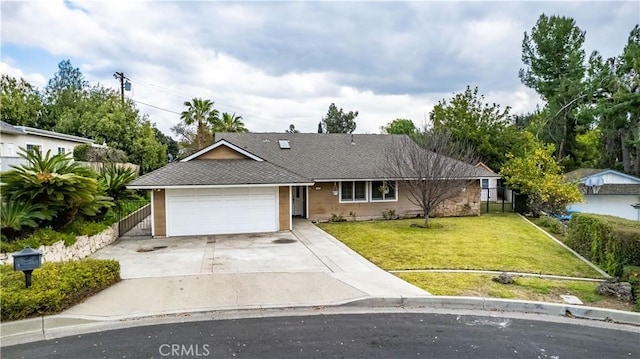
432	169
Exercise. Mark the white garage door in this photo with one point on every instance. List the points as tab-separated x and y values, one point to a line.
221	211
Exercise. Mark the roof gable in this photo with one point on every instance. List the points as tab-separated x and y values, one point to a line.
223	155
214	173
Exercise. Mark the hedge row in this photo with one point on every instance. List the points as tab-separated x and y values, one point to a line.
609	242
55	286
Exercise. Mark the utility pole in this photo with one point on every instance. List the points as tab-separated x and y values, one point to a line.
120	76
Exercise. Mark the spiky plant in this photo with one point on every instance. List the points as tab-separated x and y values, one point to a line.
114	180
65	187
16	216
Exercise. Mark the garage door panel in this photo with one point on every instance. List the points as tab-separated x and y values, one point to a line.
221	211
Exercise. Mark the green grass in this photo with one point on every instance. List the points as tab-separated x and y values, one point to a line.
496	207
463	284
497	241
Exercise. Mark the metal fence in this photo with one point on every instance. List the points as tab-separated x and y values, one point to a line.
503	199
134	217
496	199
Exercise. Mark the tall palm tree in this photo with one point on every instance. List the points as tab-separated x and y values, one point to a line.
199	111
229	123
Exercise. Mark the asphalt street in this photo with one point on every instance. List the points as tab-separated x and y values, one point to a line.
378	335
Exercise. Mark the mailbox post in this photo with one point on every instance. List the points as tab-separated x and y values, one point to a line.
27	260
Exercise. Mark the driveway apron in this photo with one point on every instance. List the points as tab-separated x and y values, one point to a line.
305	267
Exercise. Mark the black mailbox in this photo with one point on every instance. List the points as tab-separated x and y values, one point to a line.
27	260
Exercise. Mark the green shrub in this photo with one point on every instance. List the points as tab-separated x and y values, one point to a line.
610	242
55	287
41	237
389	214
631	274
81	152
82	227
88	153
550	224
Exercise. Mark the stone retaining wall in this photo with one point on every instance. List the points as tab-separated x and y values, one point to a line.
84	247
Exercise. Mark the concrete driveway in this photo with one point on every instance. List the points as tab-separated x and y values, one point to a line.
245	253
303	268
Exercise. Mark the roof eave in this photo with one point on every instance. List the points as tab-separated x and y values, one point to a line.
151	187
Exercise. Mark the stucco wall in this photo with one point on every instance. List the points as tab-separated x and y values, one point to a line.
613	205
323	203
10	144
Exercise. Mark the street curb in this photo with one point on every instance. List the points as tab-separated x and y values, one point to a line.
506	305
61	325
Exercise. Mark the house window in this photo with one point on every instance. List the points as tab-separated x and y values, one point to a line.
32	147
383	191
62	150
485	183
353	191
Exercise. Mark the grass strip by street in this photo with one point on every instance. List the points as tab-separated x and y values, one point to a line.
495	241
524	288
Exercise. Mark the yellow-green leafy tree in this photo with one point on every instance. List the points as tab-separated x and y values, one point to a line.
534	171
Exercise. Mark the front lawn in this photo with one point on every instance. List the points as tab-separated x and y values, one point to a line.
525	288
496	241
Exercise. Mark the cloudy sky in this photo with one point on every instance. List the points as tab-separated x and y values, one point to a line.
278	63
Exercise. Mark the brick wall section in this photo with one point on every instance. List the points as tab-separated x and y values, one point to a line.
322	203
284	214
159	213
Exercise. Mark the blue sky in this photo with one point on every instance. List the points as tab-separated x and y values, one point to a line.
277	63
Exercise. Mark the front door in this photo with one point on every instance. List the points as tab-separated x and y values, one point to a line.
298	197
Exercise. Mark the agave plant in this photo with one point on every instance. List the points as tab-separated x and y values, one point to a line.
55	182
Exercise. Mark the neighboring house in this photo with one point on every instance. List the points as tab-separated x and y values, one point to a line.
256	182
492	189
606	192
12	138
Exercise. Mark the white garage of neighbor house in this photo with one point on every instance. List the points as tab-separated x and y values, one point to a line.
607	192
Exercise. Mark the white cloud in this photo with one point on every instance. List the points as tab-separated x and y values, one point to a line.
282	63
33	78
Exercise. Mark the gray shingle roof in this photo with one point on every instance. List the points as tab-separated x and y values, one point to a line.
217	172
619	189
580	173
328	156
7	128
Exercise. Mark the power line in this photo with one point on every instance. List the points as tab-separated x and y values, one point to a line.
159	108
181	94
